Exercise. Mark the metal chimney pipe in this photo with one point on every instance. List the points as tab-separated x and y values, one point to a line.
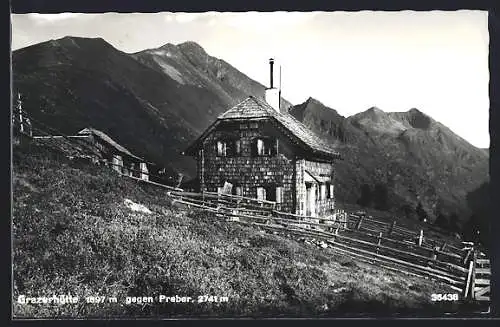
271	63
279	92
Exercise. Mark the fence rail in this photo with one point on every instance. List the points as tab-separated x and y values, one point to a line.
381	243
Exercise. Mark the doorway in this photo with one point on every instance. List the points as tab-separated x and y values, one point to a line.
310	199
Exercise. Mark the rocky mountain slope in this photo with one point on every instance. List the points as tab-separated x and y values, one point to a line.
153	102
416	157
189	64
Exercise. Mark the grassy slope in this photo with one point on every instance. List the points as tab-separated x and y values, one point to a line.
72	234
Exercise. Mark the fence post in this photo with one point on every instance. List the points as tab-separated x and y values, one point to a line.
421	237
179	180
358	226
20	112
435	253
469	280
467	255
442	246
379	241
391	229
473	281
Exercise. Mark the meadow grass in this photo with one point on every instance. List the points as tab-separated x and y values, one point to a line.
73	234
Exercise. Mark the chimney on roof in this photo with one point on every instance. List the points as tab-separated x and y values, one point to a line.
272	93
271	63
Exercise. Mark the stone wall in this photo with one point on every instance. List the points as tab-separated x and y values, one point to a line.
300	187
245	170
249	172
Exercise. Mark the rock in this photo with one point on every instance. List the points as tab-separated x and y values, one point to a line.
340	290
136	206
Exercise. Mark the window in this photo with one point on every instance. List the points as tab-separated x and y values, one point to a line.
144	171
238	190
270	193
228	148
117	163
264	147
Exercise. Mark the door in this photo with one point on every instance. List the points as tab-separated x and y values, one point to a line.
312	199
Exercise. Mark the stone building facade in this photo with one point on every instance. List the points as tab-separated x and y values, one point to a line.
256	151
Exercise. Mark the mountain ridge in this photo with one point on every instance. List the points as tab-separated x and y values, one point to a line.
153	105
424	161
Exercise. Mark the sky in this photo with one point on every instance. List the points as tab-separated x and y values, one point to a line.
435	61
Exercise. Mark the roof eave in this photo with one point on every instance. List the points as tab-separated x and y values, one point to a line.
327	155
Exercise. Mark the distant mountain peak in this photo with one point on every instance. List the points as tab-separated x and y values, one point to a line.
76	42
372	113
375	109
168	46
418	119
192	46
415	111
312	100
313	103
81	39
167	50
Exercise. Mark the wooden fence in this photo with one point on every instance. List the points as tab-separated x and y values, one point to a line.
365	239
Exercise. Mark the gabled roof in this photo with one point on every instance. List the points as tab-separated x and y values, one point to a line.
103	136
253	108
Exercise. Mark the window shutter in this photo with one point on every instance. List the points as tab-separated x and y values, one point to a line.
226	189
261	193
331	191
220	148
238	147
323	191
239	190
260	147
279	194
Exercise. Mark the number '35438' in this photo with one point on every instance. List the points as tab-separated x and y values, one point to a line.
444	297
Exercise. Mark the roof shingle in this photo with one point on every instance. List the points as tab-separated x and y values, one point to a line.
253	107
109	140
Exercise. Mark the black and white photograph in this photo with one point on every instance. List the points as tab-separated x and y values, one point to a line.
284	164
